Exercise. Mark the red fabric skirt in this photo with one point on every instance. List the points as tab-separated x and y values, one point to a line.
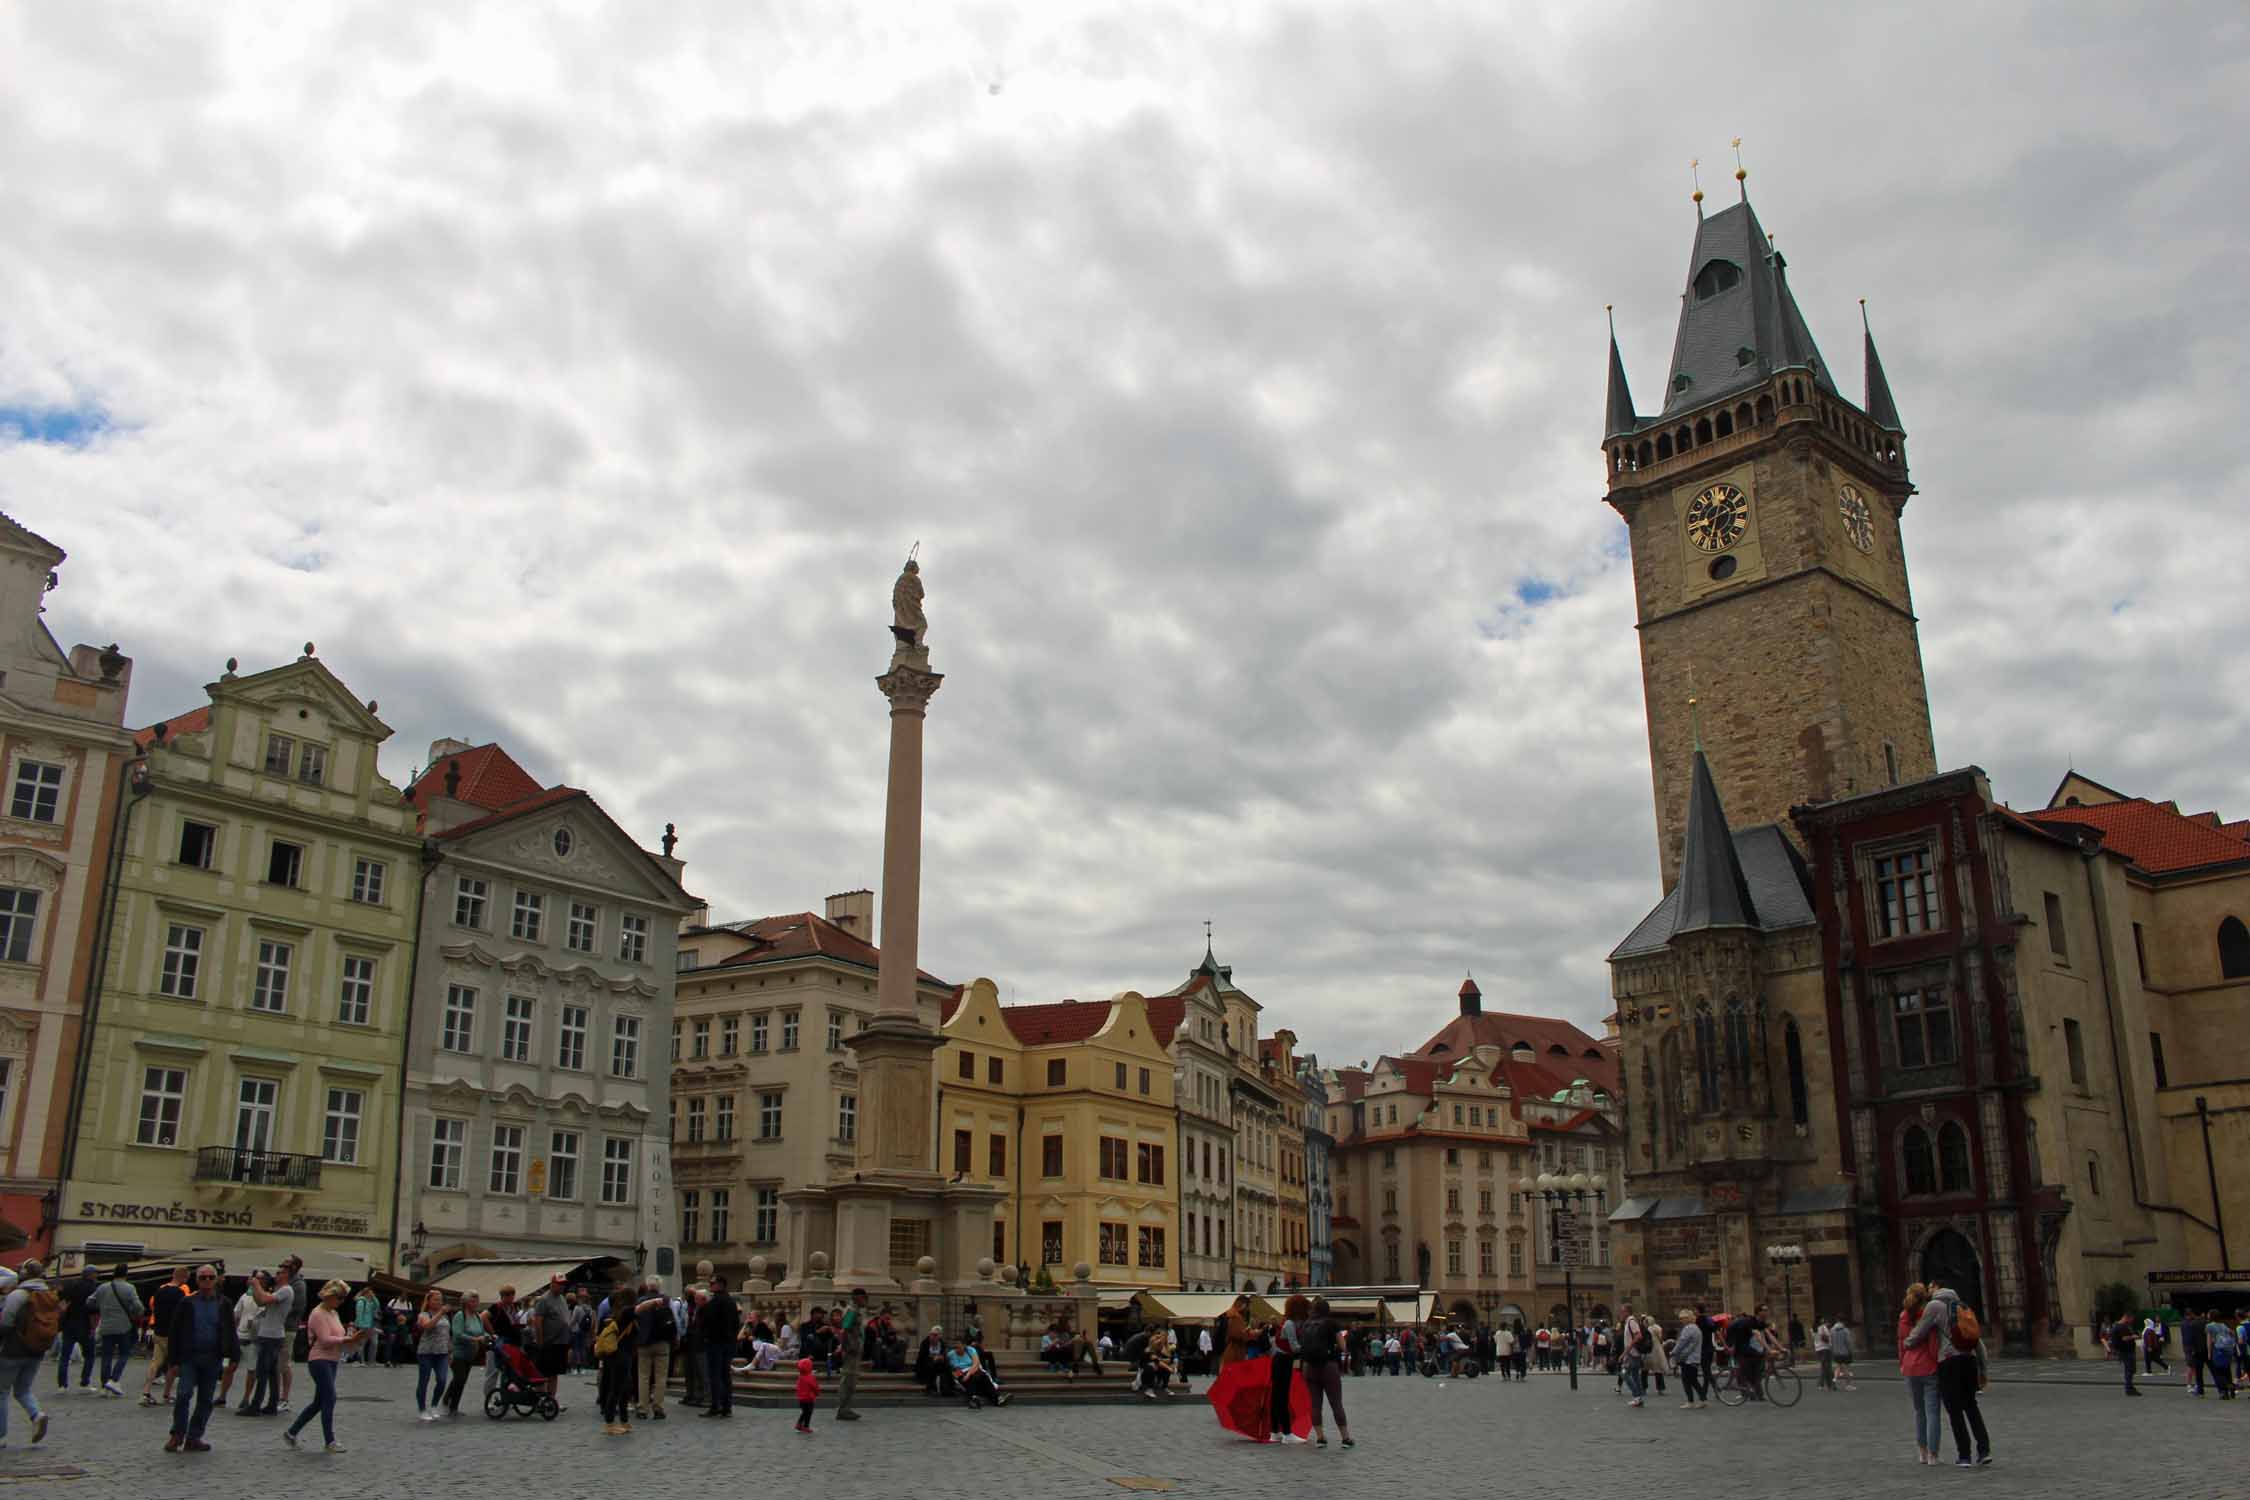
1243	1398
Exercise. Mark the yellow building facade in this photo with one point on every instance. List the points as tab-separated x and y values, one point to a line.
242	1068
1068	1110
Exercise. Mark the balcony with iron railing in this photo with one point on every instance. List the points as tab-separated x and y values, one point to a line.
282	1171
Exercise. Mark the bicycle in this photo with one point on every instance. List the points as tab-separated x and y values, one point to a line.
1780	1384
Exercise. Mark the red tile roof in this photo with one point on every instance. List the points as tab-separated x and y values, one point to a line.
490	778
806	934
538	799
1064	1021
1587	1058
2153	835
194	721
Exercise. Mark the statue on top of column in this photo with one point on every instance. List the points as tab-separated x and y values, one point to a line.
908	623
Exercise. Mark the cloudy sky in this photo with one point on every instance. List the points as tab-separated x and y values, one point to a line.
578	376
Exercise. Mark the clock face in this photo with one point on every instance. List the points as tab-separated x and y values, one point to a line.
1857	525
1716	518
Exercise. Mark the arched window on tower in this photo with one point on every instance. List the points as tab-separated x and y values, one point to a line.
1706	1055
1953	1157
1738	1051
1794	1047
2234	949
1921	1167
1716	277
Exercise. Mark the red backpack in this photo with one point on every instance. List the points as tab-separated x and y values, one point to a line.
39	1324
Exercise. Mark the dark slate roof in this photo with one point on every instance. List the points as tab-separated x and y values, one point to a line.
1757	313
1880	407
1779	886
1620	418
1712	890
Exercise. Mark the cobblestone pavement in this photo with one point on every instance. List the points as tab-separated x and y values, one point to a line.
1434	1438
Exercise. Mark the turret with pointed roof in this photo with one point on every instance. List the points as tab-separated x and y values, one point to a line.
1880	407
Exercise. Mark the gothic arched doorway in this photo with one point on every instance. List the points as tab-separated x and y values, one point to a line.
1950	1260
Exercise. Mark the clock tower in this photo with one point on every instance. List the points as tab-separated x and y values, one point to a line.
1769	567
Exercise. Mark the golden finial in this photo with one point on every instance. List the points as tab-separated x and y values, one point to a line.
1740	173
1695	172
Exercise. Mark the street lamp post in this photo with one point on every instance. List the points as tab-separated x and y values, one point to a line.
1787	1257
1565	1196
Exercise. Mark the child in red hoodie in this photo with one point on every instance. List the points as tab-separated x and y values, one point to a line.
808	1391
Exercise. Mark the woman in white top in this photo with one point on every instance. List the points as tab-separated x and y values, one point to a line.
1827	1358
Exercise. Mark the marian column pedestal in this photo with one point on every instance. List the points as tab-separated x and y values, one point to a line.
897	1206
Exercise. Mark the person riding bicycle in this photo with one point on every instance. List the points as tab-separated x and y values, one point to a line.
1746	1338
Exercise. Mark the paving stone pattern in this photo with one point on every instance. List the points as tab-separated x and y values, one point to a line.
1419	1437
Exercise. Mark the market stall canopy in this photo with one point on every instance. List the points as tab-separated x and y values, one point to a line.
1410	1309
1199	1307
486	1277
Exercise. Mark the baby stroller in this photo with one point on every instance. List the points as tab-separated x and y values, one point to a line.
520	1389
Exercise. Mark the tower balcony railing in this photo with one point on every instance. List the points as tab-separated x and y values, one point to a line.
287	1171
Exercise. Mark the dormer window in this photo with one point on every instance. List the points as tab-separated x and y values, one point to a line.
280	750
1745	355
1715	277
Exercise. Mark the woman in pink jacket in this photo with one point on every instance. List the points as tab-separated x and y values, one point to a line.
1918	1361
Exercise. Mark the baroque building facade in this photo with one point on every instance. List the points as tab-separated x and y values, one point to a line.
62	733
242	1071
536	1102
765	1086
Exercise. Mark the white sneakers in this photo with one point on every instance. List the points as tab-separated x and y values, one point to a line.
112	1388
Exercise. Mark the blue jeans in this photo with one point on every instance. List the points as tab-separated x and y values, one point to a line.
1636	1378
432	1371
65	1342
265	1383
1923	1392
199	1382
117	1349
323	1401
17	1378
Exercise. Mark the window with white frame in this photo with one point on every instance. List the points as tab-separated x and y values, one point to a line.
562	1164
285	864
280	751
19	920
696	1114
632	939
269	989
183	961
368	876
163	1092
722	1213
730	1035
507	1159
789	1031
617	1170
625	1046
758	1035
515	1029
723	1128
691	1217
355	998
765	1220
1906	894
449	1143
702	1042
457	1027
769	1116
312	765
38	792
847	1117
470	895
339	1128
530	915
835	1031
570	1039
585	921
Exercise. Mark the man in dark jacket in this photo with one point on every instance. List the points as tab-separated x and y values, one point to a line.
77	1331
2194	1349
202	1338
717	1323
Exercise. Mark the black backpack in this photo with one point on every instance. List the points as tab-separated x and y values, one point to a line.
1317	1341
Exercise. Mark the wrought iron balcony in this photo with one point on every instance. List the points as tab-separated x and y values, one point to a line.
267	1169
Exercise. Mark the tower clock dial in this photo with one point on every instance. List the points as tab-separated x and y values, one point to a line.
1717	517
1857	526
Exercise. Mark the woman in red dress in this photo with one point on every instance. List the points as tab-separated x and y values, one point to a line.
1244	1394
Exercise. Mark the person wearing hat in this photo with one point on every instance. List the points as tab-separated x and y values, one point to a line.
328	1338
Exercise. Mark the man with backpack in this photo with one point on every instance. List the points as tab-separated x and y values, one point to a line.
30	1324
1960	1372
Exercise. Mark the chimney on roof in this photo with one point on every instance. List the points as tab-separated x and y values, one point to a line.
440	749
854	911
1472	998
